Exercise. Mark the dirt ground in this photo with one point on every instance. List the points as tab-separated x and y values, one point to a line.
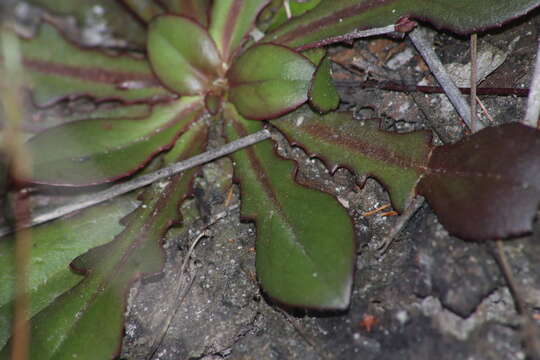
429	296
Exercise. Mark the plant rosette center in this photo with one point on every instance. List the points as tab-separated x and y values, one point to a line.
263	82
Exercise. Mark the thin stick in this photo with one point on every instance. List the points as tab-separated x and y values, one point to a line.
355	34
474	77
533	103
529	330
485	110
144	180
419	40
287	7
178	295
401	221
19	159
403	87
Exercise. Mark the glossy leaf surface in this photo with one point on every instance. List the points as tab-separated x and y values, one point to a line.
57	69
95	307
488	185
231	21
322	93
305	255
335	18
183	55
100	150
54	246
197	10
396	160
269	80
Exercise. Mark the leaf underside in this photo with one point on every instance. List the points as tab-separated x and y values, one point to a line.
269	80
56	69
305	256
95	307
101	150
333	19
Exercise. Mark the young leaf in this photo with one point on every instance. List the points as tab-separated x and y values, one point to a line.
86	322
305	257
57	69
333	19
488	185
188	64
101	150
54	246
269	80
323	95
231	22
197	10
396	160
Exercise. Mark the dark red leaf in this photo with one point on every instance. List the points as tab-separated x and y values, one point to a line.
488	185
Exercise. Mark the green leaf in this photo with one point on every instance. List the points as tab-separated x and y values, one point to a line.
86	322
145	10
99	19
297	9
323	95
269	80
305	255
487	186
100	150
232	20
197	10
315	55
396	160
331	20
484	187
54	245
103	111
183	55
57	69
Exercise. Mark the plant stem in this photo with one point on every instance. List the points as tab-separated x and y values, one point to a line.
147	179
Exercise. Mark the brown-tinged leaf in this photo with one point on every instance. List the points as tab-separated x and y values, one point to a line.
396	160
487	186
94	151
331	20
57	69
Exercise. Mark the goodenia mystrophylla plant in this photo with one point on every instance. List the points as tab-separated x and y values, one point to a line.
201	68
